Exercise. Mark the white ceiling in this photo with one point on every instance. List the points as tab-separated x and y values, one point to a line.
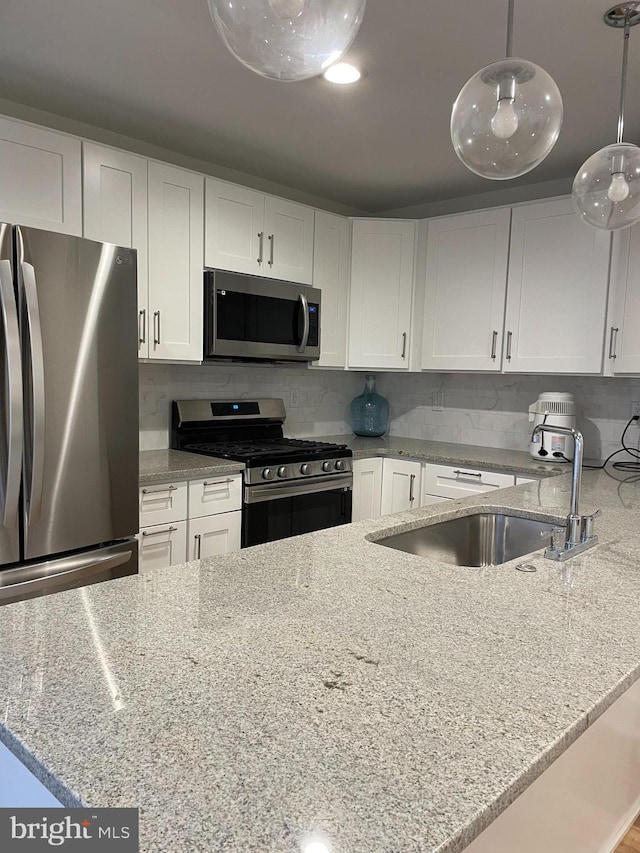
157	71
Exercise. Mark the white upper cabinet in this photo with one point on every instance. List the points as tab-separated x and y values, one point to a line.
466	281
40	178
331	260
249	232
557	291
115	211
176	214
622	343
382	264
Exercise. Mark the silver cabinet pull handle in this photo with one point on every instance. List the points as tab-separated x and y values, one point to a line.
494	345
159	491
156	328
9	312
412	479
36	356
613	340
218	482
271	239
305	328
467	474
198	539
171	529
404	345
260	257
509	336
142	326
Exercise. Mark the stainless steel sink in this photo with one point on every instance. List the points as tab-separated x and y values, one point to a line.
480	539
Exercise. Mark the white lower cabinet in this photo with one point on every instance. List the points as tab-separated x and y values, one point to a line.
459	481
212	535
189	521
367	488
400	485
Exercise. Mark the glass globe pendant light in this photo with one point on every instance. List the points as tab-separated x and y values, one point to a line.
507	117
606	190
287	40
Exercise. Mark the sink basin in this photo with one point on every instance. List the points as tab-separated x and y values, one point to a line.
480	539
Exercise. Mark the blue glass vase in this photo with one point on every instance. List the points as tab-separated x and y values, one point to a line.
369	411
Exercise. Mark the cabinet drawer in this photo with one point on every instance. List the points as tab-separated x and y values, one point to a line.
163	545
215	494
521	480
460	481
214	534
162	503
430	500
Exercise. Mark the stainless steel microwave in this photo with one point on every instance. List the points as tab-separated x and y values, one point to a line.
248	318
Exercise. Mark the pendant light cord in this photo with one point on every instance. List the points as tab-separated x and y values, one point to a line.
623	83
510	28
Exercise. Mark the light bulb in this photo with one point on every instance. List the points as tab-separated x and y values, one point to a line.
505	121
618	188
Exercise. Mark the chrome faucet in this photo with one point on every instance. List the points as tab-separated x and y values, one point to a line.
579	533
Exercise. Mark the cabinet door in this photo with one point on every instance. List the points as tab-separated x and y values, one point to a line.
367	489
162	503
176	220
115	211
289	240
622	343
466	282
40	178
331	257
382	261
557	291
214	534
400	485
459	481
216	494
234	228
163	545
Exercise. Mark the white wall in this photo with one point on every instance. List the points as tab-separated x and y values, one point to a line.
493	410
323	395
478	409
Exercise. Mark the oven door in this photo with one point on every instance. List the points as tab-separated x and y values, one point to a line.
277	510
253	318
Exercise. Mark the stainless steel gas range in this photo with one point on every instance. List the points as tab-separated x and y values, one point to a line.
291	486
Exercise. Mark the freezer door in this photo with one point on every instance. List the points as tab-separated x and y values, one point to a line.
79	336
10	406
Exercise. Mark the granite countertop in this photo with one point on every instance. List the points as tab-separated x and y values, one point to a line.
325	685
158	466
447	453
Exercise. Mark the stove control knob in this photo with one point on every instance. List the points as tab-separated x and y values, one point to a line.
267	474
339	466
305	469
326	466
283	472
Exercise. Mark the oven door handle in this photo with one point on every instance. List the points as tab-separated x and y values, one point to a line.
290	489
305	328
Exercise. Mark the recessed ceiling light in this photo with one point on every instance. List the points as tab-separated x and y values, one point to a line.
342	72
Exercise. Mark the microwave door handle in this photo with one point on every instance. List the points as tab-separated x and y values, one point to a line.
305	328
36	355
14	392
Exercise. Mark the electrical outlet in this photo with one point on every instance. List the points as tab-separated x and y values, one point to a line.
294	399
635	408
437	401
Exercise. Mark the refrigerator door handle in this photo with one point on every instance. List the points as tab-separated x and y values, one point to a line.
35	490
13	470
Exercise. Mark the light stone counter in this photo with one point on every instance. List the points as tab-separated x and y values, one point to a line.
325	684
447	453
159	466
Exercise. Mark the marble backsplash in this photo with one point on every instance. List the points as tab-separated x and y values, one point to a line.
480	409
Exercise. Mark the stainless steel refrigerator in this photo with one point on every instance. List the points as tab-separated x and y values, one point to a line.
69	412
